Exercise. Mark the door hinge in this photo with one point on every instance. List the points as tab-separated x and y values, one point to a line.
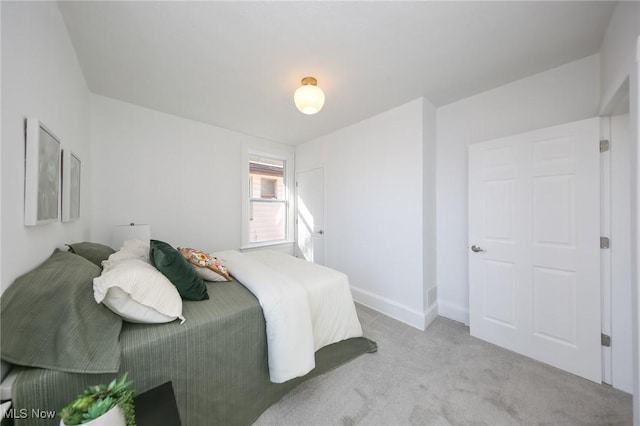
604	242
604	145
605	340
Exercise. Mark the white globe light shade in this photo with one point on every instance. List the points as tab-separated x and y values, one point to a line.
309	99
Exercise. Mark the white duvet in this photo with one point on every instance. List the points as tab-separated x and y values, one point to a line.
306	307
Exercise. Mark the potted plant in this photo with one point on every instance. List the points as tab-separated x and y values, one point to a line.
110	405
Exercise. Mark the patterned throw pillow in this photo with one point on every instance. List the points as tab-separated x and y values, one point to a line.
205	264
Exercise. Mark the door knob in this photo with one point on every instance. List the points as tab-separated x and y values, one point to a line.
321	232
476	249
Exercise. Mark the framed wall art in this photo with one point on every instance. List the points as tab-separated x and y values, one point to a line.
70	186
42	175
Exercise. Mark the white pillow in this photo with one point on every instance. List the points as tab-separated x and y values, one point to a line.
131	249
137	248
138	292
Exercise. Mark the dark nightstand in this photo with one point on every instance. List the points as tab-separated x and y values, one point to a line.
157	406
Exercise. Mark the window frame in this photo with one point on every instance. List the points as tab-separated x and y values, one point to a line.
275	152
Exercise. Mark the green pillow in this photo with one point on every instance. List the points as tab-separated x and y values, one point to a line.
93	252
175	267
49	319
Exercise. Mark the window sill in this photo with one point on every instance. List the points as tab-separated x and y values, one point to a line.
266	244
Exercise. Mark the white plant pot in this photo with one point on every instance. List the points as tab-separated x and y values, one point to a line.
113	417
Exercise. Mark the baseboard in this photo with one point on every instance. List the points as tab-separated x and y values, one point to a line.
431	314
395	310
454	312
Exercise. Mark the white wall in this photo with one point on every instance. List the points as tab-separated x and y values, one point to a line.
2	287
560	95
41	78
182	177
617	53
374	208
634	114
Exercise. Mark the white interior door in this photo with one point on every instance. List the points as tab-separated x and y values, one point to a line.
310	215
534	259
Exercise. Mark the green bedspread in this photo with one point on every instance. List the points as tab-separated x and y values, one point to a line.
217	361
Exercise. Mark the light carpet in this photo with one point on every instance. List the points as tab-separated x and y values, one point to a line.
443	376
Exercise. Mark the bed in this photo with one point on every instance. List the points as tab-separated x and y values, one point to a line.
218	360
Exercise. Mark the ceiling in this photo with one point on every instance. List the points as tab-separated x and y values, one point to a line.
236	64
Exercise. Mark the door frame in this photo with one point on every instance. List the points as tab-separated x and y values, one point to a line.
606	291
620	102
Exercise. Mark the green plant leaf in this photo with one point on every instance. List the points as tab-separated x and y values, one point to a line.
98	408
96	400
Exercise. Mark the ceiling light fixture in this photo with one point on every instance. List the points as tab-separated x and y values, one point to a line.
309	98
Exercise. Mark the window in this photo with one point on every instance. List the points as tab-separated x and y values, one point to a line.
267	199
268	187
267	210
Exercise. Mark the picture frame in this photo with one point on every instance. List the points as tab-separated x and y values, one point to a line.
71	177
42	174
